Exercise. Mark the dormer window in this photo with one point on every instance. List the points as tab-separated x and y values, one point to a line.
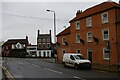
77	25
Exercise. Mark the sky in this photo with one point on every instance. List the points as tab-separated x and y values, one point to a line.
21	18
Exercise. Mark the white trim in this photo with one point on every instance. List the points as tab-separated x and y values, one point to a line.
77	27
87	37
103	34
104	54
77	38
88	24
103	17
63	41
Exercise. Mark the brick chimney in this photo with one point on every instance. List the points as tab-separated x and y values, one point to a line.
38	33
26	37
78	12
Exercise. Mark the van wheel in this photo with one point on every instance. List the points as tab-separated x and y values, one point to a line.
76	66
119	69
64	65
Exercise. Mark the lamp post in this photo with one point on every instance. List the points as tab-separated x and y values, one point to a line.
54	25
54	48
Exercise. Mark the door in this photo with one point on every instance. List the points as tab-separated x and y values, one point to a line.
90	54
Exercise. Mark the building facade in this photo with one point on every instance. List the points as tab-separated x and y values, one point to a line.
44	45
31	51
1	43
95	34
15	47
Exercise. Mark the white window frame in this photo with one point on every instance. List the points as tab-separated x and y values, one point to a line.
102	17
104	54
89	50
63	40
77	26
77	40
88	24
104	34
77	50
89	40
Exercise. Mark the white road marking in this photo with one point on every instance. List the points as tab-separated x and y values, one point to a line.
35	65
78	78
53	71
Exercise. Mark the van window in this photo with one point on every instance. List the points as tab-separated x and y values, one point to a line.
81	57
72	58
76	57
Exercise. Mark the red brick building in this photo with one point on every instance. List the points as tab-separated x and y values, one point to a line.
15	47
89	33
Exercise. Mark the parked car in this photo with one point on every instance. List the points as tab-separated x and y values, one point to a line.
75	60
119	67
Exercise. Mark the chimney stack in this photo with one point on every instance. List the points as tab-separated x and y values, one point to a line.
26	37
78	12
38	33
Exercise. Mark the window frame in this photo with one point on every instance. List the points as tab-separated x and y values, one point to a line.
104	21
103	35
77	41
77	27
88	24
88	40
104	54
77	50
63	41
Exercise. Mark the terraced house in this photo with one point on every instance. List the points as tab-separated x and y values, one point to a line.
95	33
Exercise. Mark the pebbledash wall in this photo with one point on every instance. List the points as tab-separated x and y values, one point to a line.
89	33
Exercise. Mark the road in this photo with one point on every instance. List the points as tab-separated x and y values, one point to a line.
39	69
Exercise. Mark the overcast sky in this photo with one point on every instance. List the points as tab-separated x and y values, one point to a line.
23	18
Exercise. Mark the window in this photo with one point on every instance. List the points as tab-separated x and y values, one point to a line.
77	38
48	40
44	40
6	47
48	53
77	51
105	34
63	41
104	17
63	51
72	58
13	47
48	45
106	53
89	37
40	54
39	40
89	22
77	25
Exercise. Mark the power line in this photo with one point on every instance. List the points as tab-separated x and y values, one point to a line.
31	17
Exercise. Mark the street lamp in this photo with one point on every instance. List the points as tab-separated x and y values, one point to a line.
54	25
54	33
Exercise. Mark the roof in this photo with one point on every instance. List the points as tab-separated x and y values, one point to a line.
44	35
64	32
15	41
96	9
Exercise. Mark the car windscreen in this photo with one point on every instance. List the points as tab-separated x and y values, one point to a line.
81	57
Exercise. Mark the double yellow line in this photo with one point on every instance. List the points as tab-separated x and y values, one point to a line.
7	73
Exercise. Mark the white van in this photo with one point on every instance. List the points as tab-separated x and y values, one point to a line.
75	60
